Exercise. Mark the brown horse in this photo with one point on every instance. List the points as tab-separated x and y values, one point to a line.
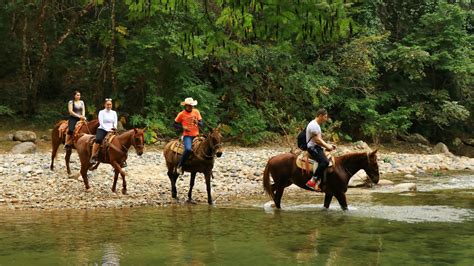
115	155
58	138
201	160
284	172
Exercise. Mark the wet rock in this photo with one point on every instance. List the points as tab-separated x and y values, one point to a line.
25	147
405	187
24	136
409	176
385	182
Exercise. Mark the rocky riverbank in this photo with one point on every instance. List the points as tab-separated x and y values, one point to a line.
27	182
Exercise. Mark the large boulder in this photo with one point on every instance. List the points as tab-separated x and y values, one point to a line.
415	138
440	148
361	145
24	136
24	147
359	179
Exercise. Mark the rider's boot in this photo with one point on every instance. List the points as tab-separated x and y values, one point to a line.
314	184
95	151
68	142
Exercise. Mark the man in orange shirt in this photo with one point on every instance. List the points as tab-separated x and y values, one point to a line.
189	120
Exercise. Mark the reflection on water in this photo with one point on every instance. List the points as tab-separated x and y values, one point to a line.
423	228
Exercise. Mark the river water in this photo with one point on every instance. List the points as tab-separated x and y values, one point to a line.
432	226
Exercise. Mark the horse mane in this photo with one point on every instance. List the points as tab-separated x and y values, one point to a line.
351	155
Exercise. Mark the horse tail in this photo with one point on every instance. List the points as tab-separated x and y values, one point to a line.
266	182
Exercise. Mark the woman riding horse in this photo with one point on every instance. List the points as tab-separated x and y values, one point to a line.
107	123
77	111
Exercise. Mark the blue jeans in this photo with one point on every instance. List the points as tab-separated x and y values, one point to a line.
188	148
317	154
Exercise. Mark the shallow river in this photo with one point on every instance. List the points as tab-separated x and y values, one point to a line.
432	226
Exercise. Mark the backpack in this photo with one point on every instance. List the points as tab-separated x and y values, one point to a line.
301	141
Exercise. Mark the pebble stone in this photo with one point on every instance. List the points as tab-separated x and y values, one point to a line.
27	182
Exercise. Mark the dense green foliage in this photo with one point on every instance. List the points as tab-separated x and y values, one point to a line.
261	68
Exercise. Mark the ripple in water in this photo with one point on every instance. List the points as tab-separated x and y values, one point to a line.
409	214
414	214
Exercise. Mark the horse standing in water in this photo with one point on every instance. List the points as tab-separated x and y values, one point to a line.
115	155
201	160
58	137
284	172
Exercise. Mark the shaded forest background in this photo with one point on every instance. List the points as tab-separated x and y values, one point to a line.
260	67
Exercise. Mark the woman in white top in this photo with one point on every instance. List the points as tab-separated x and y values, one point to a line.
77	111
107	123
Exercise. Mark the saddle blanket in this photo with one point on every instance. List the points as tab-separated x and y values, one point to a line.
178	146
304	162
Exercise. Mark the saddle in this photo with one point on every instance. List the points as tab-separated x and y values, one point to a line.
308	165
63	127
178	146
104	147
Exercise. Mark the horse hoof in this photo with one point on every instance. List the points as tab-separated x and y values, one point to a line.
191	201
124	191
88	190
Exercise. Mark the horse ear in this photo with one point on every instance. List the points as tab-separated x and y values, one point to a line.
374	152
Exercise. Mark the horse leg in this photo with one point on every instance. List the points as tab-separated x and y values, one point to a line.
114	186
67	158
173	177
341	198
208	187
95	166
84	177
191	185
54	151
327	200
118	170
278	196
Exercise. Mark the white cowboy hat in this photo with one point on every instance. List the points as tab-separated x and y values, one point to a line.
189	101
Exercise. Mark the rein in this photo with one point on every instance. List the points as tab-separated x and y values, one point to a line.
124	149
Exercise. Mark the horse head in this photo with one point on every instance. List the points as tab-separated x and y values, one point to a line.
215	138
138	140
372	169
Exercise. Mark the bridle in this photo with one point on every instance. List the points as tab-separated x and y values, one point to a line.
134	144
213	148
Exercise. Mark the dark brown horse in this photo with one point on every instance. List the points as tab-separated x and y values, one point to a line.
200	161
284	172
58	138
115	155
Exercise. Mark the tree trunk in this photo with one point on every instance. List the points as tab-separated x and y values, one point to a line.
112	50
46	51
